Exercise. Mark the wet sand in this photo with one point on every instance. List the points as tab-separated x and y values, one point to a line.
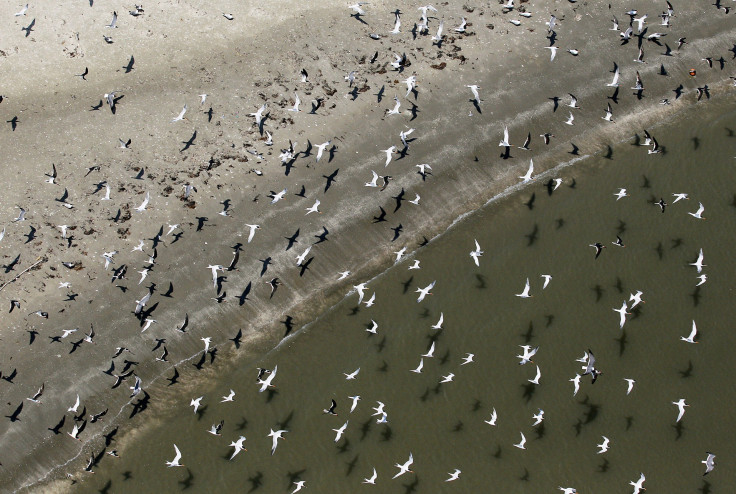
182	50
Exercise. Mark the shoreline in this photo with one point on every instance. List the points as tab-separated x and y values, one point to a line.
257	316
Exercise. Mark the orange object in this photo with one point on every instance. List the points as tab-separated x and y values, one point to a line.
692	72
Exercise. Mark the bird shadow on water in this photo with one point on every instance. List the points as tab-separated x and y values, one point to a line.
532	236
622	341
481	285
705	489
603	467
188	481
529	335
679	429
529	390
256	481
409	488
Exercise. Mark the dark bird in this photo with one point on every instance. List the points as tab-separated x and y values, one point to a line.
397	231
13	122
598	248
331	409
274	285
83	75
661	203
399	197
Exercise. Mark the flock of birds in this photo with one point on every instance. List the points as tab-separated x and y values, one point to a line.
143	310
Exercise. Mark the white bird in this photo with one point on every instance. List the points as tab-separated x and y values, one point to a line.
630	385
461	27
142	302
620	194
403	135
475	254
374	181
321	149
698	214
355	399
114	21
202	98
252	231
430	352
681	407
265	384
547	278
371	301
389	152
403	468
343	275
340	431
196	402
438	37
75	432
22	11
525	292
614	82
622	314
494	416
538	418
474	89
259	114
314	208
609	114
603	446
373	329
395	109
527	355
521	443
576	381
423	292
448	378
297	101
453	475
175	461
238	445
679	197
691	337
703	277
570	119
400	254
418	370
229	397
636	298
569	490
699	263
640	22
275	436
181	115
215	268
397	25
361	292
526	178
415	265
415	201
73	409
536	377
709	463
277	197
143	205
552	52
372	478
411	84
468	358
357	8
299	485
505	141
638	484
352	375
439	323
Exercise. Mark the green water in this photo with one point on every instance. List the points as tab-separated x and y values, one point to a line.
442	425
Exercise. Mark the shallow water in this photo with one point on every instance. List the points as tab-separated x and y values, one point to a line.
442	425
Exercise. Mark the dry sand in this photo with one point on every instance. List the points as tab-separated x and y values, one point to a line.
183	49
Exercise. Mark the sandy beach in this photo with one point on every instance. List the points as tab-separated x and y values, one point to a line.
173	52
